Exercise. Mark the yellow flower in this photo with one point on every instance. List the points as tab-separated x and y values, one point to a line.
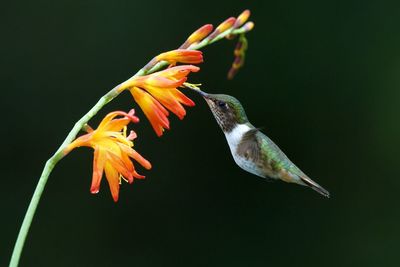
242	18
112	151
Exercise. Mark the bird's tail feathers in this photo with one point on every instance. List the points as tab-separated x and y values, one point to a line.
307	181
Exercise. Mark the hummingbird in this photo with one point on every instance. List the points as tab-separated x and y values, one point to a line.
252	150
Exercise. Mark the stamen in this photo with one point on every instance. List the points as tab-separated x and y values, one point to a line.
132	135
122	178
193	86
124	131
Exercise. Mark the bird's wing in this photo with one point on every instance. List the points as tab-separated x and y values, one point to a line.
273	159
249	147
257	147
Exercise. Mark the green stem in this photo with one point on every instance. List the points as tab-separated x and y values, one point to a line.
50	164
31	211
23	232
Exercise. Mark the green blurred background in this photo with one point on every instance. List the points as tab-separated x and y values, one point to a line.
322	78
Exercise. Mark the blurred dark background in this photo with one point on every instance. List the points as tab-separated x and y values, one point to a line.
322	78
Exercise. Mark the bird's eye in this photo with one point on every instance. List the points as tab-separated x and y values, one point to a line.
221	104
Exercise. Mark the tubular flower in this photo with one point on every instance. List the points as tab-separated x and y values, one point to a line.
242	18
112	152
197	36
157	93
240	50
224	26
248	26
182	56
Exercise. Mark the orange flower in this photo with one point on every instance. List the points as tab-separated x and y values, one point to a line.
198	35
182	56
112	152
157	93
224	26
227	24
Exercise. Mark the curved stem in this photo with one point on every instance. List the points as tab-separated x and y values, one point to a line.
50	164
23	232
31	211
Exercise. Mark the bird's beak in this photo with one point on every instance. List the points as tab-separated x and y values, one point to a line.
204	94
206	97
197	90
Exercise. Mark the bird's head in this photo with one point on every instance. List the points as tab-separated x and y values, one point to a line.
227	110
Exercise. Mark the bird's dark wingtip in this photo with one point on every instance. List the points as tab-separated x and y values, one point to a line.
307	181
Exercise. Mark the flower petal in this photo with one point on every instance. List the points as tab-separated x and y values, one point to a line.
182	98
99	161
182	56
162	82
113	178
168	100
177	72
153	110
136	156
120	165
138	176
109	121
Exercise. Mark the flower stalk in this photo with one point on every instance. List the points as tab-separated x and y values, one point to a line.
151	67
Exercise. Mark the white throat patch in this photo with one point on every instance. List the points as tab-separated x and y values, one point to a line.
235	136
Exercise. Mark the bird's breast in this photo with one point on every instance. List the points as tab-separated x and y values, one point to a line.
248	165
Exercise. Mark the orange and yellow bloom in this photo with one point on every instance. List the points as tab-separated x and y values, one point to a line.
182	56
224	26
198	35
112	152
157	93
242	18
